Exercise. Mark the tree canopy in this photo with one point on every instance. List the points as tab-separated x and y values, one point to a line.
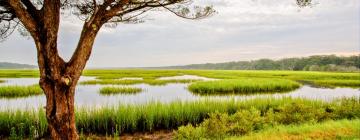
28	15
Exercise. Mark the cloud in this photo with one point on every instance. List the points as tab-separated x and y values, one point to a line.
242	30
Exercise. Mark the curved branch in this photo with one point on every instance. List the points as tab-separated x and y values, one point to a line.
24	16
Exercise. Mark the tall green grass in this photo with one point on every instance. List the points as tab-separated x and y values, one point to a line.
19	91
119	90
154	116
342	129
253	85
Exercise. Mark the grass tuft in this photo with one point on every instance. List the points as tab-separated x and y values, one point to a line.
119	90
19	91
253	85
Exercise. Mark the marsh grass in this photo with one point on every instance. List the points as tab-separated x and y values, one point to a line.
145	74
133	82
18	73
243	86
338	83
341	129
19	91
154	116
119	90
216	74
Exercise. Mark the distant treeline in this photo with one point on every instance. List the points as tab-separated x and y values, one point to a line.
312	63
7	65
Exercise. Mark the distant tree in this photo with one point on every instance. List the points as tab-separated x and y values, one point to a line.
40	19
265	64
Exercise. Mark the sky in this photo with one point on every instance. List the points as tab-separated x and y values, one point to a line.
241	30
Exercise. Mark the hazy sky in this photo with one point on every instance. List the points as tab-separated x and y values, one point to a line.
242	30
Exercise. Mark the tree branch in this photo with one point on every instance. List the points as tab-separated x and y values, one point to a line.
23	15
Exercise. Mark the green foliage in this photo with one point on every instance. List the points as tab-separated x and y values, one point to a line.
13	135
116	90
191	133
341	129
254	119
254	85
312	63
19	91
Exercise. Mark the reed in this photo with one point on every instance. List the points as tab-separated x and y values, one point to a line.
155	116
243	86
119	90
19	91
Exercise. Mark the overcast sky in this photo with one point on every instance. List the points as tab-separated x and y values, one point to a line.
241	30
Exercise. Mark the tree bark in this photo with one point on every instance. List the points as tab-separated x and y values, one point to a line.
58	80
59	88
60	110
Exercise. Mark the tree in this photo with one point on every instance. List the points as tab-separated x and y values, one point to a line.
40	19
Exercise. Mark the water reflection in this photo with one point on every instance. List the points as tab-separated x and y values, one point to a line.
87	95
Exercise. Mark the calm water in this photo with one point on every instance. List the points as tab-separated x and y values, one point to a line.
88	96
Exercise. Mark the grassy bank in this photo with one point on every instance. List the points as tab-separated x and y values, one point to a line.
243	86
154	116
338	83
19	91
232	74
18	73
119	90
133	82
150	76
342	129
136	73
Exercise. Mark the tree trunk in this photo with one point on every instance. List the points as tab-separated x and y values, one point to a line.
58	83
60	109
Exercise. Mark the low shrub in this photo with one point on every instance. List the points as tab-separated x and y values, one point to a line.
250	120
